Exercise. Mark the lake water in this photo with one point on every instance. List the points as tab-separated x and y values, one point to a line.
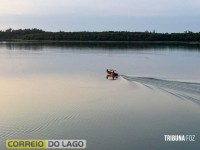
60	91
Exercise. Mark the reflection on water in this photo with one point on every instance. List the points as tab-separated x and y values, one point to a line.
103	45
59	91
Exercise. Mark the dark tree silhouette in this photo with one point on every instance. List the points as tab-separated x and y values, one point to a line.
37	34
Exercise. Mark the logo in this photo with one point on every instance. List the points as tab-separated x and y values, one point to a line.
181	138
45	144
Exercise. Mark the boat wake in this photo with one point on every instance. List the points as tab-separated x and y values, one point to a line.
183	90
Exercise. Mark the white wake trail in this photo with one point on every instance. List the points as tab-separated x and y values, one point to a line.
183	90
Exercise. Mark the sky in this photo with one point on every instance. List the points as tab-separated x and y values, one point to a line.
101	15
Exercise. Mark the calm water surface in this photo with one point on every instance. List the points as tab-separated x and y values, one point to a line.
60	91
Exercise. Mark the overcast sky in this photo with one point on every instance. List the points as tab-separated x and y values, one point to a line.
101	15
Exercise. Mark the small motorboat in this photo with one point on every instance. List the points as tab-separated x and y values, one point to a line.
112	73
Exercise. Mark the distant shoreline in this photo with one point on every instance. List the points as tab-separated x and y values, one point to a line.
35	35
61	41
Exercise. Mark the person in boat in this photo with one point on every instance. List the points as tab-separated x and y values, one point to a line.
112	74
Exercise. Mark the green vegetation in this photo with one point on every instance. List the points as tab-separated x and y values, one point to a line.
37	34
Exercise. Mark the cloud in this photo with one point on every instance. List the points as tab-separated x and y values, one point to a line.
101	7
100	23
99	15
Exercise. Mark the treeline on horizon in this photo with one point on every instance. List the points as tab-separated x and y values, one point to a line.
38	34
